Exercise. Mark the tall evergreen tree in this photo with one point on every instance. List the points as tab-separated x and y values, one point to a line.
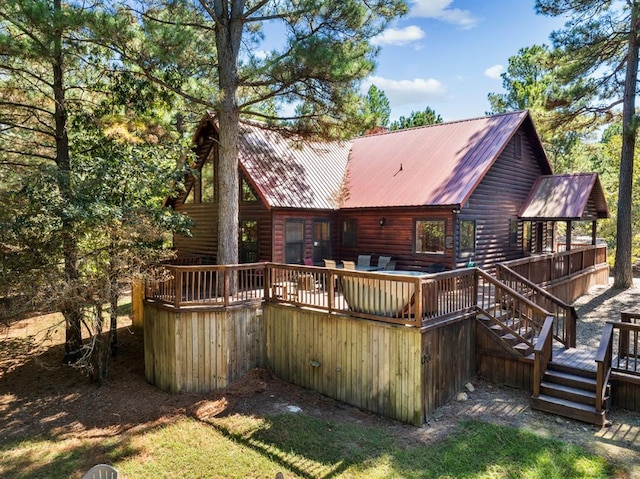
60	93
417	118
597	66
378	107
306	82
529	83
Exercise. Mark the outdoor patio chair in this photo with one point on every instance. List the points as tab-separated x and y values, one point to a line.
329	263
383	261
364	260
349	264
101	471
391	265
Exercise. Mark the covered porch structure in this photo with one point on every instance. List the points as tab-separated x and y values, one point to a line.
565	199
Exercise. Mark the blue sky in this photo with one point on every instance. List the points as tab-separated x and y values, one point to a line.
448	54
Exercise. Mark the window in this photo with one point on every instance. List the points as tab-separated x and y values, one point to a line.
513	232
294	241
202	188
206	183
517	146
526	237
349	233
248	241
246	193
430	235
467	236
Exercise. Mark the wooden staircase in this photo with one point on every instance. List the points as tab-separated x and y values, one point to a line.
570	392
562	386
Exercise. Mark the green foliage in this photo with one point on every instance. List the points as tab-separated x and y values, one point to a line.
376	109
417	118
596	60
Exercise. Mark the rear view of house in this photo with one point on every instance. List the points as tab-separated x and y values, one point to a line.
446	195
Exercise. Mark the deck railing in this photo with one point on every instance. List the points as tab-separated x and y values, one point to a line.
547	268
204	285
604	357
515	313
543	354
394	298
565	315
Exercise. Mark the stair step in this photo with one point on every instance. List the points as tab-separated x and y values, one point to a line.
571	380
570	409
571	370
569	393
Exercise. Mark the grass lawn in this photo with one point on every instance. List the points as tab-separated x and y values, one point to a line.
302	446
54	424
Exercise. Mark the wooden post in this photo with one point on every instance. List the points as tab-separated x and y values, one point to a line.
418	302
177	299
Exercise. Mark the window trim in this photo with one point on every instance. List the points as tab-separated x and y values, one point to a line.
300	242
468	251
444	236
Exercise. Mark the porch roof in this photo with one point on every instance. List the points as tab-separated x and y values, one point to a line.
566	197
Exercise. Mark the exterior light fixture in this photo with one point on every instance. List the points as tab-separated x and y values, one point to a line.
382	222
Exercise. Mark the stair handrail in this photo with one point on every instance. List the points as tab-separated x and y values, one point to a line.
506	290
571	315
542	354
604	357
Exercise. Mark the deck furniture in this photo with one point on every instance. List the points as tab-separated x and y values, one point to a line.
349	265
364	260
329	263
383	261
101	471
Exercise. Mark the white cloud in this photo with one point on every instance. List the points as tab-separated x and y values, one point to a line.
405	92
494	71
439	9
399	36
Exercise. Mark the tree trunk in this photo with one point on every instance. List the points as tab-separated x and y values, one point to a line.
623	273
228	35
71	304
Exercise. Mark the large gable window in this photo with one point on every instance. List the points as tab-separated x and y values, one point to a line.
430	236
202	188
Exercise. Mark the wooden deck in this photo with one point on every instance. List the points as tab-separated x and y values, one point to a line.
576	358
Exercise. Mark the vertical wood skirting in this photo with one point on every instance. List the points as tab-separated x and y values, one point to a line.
201	351
448	362
137	304
498	366
371	365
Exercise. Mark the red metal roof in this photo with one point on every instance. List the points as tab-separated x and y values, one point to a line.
566	197
290	172
432	165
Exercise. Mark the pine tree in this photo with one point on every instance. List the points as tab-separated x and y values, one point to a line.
597	66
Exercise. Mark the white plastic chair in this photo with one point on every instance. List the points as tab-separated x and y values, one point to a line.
101	471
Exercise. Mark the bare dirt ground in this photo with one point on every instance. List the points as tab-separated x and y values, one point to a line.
38	396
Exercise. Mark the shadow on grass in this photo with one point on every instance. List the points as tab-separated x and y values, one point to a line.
314	448
65	463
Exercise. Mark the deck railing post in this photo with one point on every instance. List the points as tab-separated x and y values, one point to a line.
418	302
177	278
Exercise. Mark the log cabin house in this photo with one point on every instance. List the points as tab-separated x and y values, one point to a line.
444	196
478	192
